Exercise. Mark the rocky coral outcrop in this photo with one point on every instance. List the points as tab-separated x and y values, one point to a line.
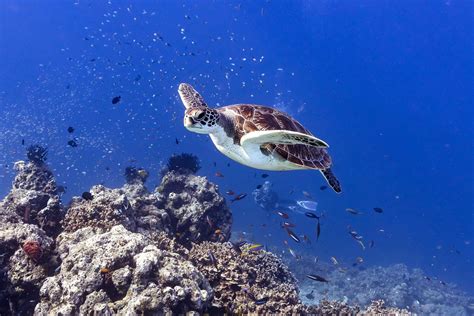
197	211
121	272
250	282
23	268
34	198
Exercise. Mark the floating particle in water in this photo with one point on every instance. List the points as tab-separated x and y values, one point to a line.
116	99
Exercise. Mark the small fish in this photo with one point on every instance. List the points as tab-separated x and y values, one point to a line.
316	277
292	235
285	242
230	192
334	261
264	175
353	211
293	253
218	232
309	196
116	99
259	187
72	143
283	215
308	205
316	259
254	247
177	141
87	196
61	189
359	260
219	174
378	209
287	225
239	197
23	141
318	231
261	301
371	244
209	221
236	247
306	239
311	215
212	258
361	243
70	129
310	295
323	187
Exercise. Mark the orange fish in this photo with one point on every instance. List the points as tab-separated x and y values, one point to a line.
218	232
230	192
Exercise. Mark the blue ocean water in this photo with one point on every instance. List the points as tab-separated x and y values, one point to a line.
388	84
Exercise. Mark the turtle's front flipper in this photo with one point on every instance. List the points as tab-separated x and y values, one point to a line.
281	137
190	97
331	179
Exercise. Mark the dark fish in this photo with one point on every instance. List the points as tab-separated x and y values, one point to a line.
215	164
22	141
72	143
378	209
323	187
261	301
311	215
116	99
87	196
70	129
236	247
61	189
310	296
316	277
265	175
318	230
138	77
292	235
371	244
177	141
212	258
259	187
228	164
219	174
283	215
239	197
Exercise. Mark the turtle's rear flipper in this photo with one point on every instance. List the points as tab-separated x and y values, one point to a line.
331	179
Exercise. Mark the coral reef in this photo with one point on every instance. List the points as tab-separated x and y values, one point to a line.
22	273
182	163
121	272
34	198
130	251
197	211
233	276
396	285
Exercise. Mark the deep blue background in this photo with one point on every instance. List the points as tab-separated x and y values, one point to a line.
388	84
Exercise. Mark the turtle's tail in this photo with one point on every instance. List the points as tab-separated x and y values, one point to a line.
331	179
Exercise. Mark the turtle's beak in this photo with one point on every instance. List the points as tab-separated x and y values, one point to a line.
188	121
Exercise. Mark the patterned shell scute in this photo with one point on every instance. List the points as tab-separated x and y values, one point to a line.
250	118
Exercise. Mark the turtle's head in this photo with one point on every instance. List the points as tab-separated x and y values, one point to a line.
200	119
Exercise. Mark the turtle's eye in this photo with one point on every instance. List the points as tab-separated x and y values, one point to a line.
200	115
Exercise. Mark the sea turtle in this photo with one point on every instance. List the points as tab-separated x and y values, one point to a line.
257	136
